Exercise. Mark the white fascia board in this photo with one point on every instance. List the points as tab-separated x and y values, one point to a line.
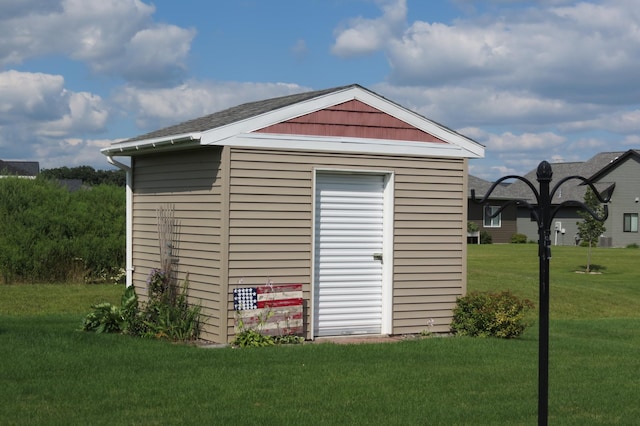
163	143
219	135
341	144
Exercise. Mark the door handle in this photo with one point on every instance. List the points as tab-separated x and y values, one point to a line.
378	256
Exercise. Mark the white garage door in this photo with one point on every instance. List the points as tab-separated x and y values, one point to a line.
349	219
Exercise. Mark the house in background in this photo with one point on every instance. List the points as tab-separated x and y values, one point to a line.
360	201
603	170
500	227
28	169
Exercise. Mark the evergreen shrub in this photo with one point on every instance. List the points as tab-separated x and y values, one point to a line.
518	239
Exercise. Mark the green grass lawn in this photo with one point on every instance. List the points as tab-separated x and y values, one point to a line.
53	374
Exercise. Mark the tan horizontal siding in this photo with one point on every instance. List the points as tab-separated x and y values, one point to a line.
416	280
188	182
409	202
271	225
414	310
408	302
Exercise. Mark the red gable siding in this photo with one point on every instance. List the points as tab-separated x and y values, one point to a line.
351	119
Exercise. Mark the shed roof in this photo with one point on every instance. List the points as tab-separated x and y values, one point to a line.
233	114
239	125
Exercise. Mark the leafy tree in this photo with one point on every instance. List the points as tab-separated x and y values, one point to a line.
590	229
87	174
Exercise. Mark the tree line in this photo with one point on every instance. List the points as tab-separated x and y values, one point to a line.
87	174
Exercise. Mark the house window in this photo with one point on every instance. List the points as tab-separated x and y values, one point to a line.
492	222
631	222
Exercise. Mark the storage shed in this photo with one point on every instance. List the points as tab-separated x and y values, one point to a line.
360	201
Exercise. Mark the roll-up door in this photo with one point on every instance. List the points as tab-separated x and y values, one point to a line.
349	224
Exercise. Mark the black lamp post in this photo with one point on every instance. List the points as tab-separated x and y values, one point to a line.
543	213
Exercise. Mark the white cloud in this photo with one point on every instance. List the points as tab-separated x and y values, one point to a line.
154	56
31	96
155	108
14	9
517	153
113	37
583	52
72	152
41	118
460	106
40	102
620	121
589	144
525	142
632	141
624	122
523	57
363	36
87	113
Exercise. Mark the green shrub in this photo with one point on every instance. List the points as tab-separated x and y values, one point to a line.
250	337
518	239
167	314
108	318
633	246
288	339
490	315
48	234
485	238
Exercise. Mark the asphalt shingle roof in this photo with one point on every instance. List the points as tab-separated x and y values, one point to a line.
20	168
570	190
234	114
481	186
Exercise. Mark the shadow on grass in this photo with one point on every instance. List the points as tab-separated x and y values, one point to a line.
593	268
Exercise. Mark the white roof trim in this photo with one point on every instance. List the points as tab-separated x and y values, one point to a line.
175	142
342	144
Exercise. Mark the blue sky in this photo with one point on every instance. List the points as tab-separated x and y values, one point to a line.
552	80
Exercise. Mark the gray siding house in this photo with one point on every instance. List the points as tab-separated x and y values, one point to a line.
355	198
603	169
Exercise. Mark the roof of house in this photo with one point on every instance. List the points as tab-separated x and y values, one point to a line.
20	168
225	127
594	170
481	187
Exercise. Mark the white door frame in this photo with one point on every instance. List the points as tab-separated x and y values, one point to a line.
387	238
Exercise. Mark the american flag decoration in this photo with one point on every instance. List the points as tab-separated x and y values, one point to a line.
278	306
245	299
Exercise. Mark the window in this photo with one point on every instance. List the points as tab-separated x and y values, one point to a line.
630	222
492	222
